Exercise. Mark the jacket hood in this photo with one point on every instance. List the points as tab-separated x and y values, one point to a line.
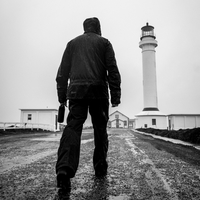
92	25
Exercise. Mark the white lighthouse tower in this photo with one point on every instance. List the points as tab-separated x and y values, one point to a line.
148	45
150	116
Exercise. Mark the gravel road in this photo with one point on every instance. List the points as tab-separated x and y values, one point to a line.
140	168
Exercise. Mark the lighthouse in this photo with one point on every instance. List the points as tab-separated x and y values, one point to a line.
150	115
148	45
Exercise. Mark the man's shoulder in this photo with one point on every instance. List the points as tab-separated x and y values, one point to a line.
93	37
89	34
76	38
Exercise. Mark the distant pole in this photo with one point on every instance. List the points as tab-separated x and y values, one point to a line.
148	45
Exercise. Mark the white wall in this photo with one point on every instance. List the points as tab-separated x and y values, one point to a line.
184	121
197	121
45	117
41	117
24	117
161	122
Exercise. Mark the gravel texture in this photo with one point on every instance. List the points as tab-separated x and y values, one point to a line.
140	167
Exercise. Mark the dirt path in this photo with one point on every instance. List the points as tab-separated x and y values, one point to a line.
140	167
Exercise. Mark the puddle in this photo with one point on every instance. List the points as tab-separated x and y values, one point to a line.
57	138
120	197
49	138
86	141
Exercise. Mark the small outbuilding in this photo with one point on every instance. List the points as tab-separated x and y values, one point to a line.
46	119
118	120
132	123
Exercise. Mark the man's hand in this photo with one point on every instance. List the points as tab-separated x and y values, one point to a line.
114	105
64	104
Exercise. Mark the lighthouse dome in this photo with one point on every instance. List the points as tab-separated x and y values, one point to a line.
147	31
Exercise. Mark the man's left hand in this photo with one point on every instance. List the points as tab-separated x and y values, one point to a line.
64	104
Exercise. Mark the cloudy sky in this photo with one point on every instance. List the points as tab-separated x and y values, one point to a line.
34	34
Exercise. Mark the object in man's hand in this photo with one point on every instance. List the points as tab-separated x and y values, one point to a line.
61	113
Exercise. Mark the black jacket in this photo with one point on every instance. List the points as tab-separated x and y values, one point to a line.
88	68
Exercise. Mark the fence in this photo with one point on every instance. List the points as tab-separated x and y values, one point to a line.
17	125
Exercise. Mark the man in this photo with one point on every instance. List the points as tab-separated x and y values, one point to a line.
87	69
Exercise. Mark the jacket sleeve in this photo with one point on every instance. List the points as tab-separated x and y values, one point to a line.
63	76
114	78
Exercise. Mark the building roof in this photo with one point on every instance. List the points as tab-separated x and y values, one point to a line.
35	109
119	113
184	115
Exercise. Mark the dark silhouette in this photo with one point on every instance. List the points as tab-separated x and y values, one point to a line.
88	68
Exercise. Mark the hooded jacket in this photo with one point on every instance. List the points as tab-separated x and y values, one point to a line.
89	67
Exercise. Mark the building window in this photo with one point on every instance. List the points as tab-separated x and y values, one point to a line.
116	116
29	116
153	121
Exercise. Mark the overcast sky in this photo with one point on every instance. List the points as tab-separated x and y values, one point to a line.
34	34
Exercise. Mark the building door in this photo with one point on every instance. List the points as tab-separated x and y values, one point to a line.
169	124
56	122
117	123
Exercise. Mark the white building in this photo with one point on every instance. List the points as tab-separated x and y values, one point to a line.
150	116
183	121
46	119
118	120
153	119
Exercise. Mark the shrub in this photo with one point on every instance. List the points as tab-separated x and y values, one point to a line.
187	135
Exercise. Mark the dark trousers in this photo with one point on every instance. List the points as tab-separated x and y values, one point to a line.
69	149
